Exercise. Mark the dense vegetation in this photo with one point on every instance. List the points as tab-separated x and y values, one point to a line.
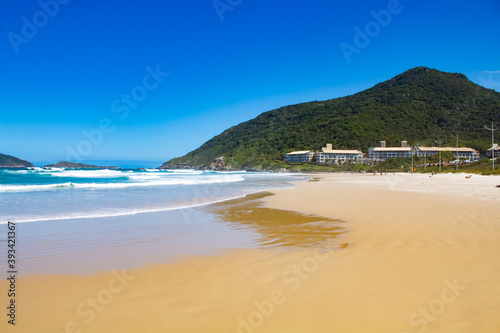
420	105
7	161
482	167
71	165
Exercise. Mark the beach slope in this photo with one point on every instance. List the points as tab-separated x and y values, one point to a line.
420	254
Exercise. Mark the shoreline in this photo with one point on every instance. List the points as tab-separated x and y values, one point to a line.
407	248
87	246
128	214
187	204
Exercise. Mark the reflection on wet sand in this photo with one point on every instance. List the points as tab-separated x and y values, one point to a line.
277	227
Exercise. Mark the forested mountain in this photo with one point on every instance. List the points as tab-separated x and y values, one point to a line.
420	105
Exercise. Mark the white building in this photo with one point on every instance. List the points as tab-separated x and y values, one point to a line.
338	156
299	156
496	148
469	154
382	153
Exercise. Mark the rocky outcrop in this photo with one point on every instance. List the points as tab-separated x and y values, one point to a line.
71	165
219	164
179	166
8	161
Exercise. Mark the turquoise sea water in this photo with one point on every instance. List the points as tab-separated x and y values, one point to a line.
145	216
35	194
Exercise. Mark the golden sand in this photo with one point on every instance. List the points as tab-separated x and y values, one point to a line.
423	255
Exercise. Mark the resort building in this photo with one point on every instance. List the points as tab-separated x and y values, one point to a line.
495	149
328	155
382	153
469	154
338	156
299	156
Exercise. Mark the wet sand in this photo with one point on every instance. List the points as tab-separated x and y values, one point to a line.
395	253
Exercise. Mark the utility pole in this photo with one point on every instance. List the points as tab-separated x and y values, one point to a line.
492	129
414	153
411	159
439	143
458	159
425	160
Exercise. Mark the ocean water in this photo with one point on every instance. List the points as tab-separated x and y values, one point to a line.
35	194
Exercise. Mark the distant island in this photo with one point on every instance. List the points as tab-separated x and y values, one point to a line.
71	165
8	161
421	105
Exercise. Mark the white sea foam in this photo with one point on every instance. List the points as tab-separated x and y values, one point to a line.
19	172
185	171
158	182
149	192
31	188
144	176
104	173
119	213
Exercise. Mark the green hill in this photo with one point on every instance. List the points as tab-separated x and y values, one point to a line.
7	161
420	105
71	165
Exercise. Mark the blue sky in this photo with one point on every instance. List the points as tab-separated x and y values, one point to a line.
152	80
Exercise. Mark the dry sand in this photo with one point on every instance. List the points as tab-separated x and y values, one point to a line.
423	255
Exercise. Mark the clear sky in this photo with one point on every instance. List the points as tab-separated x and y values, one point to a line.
154	79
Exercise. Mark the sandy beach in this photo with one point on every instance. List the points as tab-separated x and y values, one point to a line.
392	253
